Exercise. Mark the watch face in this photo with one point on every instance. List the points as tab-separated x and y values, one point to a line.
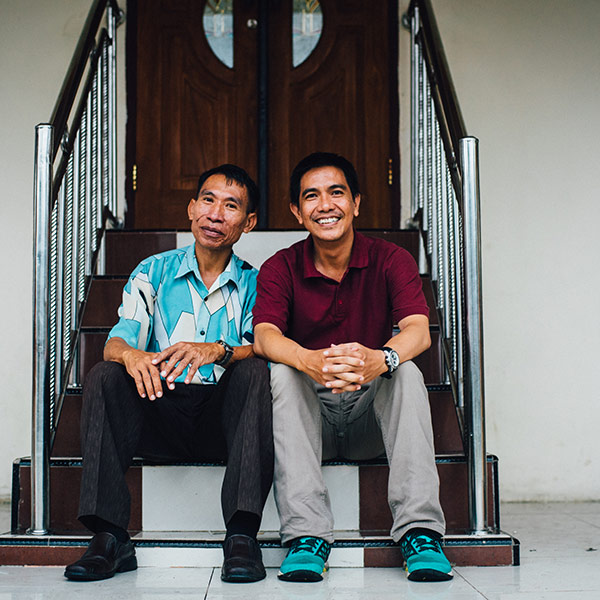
394	359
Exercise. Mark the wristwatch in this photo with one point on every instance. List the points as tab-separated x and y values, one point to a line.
228	354
391	360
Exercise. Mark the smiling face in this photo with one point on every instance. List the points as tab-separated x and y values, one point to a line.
326	207
220	214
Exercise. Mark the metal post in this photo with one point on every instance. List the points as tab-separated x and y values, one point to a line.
474	384
40	469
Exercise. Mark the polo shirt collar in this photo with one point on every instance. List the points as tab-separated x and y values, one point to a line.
189	264
359	257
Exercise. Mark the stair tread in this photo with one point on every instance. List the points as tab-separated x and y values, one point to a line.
343	538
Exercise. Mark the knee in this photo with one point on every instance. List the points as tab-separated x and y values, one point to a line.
283	378
102	373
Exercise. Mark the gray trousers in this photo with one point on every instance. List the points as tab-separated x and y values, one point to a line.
310	424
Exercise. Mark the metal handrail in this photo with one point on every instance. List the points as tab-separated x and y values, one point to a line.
74	198
445	204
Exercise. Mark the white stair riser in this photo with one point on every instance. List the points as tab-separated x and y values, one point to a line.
255	247
184	498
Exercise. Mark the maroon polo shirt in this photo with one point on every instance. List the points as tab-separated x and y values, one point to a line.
381	286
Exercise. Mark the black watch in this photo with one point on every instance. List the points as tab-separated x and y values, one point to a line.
228	354
392	361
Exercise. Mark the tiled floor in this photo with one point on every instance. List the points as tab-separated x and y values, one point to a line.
560	560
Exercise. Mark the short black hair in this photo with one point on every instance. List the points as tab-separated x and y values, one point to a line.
233	173
316	160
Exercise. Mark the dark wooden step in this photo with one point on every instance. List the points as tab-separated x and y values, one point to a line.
446	431
125	249
106	293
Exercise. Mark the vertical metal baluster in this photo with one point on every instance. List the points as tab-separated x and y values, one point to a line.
474	335
112	16
71	201
421	149
53	304
414	107
93	198
452	279
40	465
460	284
106	183
445	293
429	188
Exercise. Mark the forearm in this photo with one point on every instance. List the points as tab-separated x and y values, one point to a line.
240	353
271	344
115	349
410	342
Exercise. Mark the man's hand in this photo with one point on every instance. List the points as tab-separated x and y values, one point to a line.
173	360
140	365
350	365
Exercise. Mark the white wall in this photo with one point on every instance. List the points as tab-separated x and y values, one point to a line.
528	79
527	75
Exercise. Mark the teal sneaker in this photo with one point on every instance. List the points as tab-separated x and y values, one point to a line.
425	560
306	560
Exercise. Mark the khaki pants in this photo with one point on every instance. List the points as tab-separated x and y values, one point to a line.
310	424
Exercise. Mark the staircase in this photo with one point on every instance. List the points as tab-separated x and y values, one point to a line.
190	532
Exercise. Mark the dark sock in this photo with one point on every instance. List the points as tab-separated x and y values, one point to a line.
100	526
243	522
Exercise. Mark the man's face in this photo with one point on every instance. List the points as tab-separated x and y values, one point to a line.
219	215
326	206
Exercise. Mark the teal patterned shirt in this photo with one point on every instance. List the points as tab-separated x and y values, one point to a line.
165	301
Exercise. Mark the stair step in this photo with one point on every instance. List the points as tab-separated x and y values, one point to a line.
106	294
203	549
358	495
446	431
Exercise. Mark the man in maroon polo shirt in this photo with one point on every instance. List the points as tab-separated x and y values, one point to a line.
343	385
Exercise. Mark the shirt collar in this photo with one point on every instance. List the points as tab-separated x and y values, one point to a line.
189	264
359	257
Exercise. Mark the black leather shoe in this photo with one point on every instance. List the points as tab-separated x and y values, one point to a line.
104	557
243	560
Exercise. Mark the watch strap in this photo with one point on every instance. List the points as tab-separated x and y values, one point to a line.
228	354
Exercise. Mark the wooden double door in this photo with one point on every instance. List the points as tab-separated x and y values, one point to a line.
194	111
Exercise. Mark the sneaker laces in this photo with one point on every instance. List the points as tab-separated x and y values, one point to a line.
312	545
422	543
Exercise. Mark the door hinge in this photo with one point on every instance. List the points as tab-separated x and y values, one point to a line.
390	172
134	177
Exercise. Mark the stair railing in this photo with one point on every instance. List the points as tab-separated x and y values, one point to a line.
445	206
75	196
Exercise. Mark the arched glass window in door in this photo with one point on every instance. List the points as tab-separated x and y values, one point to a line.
307	25
218	29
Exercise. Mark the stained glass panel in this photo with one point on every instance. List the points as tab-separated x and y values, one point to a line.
307	25
218	28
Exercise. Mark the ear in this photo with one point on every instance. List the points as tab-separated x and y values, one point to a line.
356	204
190	208
250	222
296	212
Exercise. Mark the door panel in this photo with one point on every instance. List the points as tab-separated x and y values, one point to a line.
193	112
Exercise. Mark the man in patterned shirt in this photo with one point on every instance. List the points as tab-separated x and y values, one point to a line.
180	382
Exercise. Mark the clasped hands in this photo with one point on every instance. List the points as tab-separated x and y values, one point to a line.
344	367
147	368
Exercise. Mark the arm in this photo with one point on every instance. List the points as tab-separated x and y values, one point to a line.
270	343
412	340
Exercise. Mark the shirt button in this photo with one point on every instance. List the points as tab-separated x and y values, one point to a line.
340	302
202	332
